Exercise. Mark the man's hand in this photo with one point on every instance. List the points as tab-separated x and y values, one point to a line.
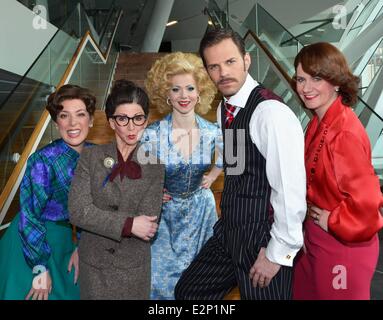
263	270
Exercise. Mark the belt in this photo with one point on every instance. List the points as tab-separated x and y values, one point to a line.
184	194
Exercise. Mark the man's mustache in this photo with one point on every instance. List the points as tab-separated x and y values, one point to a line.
221	81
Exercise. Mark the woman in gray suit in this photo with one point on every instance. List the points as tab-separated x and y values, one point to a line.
115	200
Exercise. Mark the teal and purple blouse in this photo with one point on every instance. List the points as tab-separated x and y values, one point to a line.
44	197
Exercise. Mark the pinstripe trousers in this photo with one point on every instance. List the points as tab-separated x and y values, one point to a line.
225	261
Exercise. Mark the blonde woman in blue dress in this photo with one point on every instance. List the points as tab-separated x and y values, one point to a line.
188	145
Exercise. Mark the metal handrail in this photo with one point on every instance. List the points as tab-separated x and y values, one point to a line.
111	9
369	108
287	31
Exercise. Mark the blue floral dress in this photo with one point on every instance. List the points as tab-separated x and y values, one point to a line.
187	220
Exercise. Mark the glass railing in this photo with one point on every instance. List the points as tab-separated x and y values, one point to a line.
374	127
218	16
57	12
274	36
324	32
284	46
23	112
265	72
107	32
368	13
92	73
22	109
372	67
377	157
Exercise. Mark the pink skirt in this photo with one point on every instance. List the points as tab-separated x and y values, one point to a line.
331	270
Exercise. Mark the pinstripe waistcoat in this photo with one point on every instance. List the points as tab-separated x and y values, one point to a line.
245	200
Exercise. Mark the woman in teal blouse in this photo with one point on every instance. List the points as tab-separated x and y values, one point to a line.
39	260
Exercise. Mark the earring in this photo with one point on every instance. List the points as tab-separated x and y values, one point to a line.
336	89
168	102
91	125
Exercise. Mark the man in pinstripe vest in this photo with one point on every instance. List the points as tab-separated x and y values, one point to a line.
264	198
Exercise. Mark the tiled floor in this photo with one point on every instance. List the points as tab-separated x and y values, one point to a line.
377	281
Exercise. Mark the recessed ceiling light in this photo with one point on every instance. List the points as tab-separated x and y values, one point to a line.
308	35
210	23
321	30
170	23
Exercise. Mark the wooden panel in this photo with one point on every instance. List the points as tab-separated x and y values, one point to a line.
233	295
100	133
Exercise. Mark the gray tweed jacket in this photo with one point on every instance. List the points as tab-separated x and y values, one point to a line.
112	267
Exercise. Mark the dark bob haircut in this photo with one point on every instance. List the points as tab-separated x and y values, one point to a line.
125	91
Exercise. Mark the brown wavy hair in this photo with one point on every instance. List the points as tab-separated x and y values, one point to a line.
70	92
324	60
158	78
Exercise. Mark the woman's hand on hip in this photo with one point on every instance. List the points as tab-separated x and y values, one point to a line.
320	216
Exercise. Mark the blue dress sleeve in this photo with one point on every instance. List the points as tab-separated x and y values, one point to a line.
35	192
149	139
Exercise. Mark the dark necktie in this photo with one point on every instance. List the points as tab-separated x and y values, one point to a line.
229	114
128	168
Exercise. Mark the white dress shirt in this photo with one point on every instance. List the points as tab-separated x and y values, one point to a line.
278	135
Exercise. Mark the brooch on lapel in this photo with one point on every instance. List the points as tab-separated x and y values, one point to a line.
108	162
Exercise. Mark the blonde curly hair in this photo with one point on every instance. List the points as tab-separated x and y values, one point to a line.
158	78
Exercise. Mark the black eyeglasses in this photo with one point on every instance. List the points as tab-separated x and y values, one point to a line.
123	120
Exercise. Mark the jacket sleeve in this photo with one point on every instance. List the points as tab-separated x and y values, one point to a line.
357	217
82	211
151	203
218	146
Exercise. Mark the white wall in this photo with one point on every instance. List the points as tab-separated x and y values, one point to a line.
20	42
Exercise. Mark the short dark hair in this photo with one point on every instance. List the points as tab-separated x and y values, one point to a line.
70	92
215	36
125	91
324	60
